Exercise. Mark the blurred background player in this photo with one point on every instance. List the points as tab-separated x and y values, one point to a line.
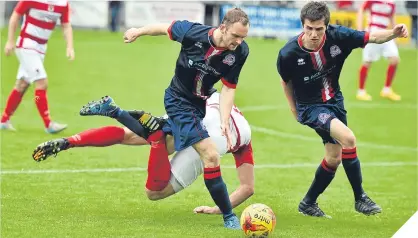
381	16
310	65
167	177
207	55
412	8
38	24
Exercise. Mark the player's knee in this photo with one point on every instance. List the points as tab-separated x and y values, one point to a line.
394	60
349	141
367	64
210	156
21	86
333	160
153	195
211	159
41	84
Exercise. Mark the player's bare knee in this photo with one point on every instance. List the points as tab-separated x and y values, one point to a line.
41	84
333	161
349	141
21	86
208	153
333	155
153	195
367	64
211	159
394	60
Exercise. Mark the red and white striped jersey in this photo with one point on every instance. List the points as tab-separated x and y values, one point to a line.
239	126
40	19
381	13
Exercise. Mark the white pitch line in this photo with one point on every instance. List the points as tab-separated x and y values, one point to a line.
317	139
347	105
140	169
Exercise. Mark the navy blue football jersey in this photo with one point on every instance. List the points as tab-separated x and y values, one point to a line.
200	64
315	74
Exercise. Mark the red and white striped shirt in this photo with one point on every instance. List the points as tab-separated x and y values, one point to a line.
41	17
381	13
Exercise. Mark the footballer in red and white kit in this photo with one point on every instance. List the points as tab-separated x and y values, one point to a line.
381	16
40	19
167	177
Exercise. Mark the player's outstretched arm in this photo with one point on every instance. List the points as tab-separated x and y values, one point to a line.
360	14
150	30
13	23
288	91
68	32
68	36
382	36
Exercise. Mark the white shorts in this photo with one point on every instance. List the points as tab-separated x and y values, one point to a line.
186	165
373	52
31	66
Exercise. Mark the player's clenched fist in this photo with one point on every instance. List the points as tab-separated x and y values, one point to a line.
400	30
8	49
131	35
70	53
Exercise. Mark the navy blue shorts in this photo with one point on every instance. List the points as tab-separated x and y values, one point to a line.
319	116
185	121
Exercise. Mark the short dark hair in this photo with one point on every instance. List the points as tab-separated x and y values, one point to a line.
235	15
315	11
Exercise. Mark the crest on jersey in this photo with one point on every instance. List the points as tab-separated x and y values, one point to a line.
50	8
301	61
323	117
334	51
229	59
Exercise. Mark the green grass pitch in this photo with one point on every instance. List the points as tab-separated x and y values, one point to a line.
112	204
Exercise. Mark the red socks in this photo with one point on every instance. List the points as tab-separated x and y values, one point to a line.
349	153
363	77
13	102
99	137
41	102
159	167
390	75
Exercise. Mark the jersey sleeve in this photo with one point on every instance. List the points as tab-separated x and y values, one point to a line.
23	7
366	5
244	155
178	30
65	17
231	79
284	71
352	38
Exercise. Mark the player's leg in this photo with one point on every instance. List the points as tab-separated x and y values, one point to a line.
185	120
14	99
371	53
390	51
362	93
324	175
319	119
24	79
32	62
186	166
158	163
345	137
213	178
140	122
97	137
